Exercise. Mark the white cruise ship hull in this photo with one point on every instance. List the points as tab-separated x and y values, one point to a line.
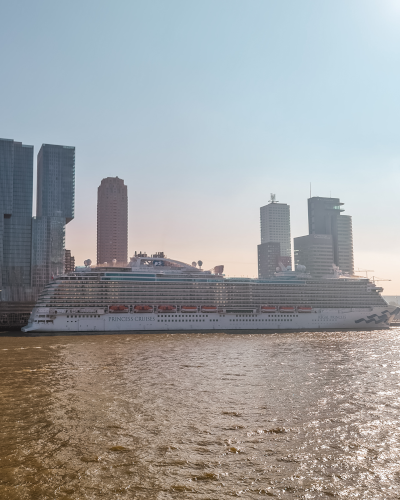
367	318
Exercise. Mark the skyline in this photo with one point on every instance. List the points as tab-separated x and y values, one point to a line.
206	110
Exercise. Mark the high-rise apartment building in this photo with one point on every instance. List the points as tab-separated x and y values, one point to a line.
325	217
345	259
275	225
16	187
112	221
54	209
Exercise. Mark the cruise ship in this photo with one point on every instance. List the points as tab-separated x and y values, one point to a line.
157	294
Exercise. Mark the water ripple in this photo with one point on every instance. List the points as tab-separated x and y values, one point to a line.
185	416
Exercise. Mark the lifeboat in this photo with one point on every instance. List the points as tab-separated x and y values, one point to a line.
286	309
167	309
209	309
119	309
304	309
268	309
143	309
189	309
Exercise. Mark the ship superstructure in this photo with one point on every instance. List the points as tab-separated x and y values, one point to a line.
160	294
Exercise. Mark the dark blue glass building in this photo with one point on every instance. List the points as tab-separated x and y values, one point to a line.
16	187
54	209
56	182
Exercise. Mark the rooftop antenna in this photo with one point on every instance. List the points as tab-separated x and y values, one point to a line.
273	198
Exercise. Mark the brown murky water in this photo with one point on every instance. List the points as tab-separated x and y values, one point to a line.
212	416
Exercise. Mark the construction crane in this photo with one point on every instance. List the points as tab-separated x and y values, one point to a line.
366	271
378	279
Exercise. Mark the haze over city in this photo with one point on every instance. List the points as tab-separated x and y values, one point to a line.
204	109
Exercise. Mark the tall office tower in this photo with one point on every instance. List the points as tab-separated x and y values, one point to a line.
315	251
325	217
112	221
275	225
56	182
275	245
54	209
16	186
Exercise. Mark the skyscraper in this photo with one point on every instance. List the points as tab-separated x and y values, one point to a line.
16	187
112	221
275	225
54	209
275	245
56	182
345	259
325	217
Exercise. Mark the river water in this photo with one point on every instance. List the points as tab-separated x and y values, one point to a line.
201	416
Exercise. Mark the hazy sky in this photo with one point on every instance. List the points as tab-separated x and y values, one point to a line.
206	107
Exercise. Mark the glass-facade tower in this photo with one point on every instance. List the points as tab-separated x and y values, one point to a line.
54	209
56	182
325	217
16	187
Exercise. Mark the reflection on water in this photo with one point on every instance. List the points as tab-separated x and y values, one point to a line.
299	415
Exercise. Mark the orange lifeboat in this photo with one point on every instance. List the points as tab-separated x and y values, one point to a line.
143	309
304	309
209	309
189	309
286	309
167	308
268	309
118	309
